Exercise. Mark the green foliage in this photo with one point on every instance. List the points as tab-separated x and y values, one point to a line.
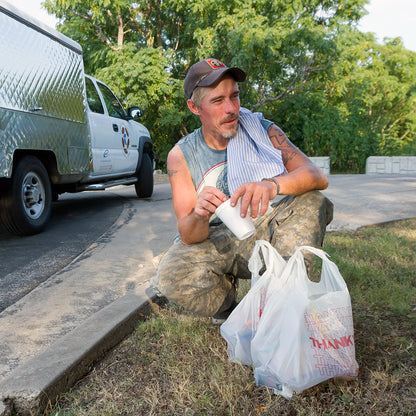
141	77
377	85
322	130
332	89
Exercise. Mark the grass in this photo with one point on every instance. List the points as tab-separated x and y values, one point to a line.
176	364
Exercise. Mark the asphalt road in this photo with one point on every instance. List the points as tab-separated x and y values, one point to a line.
77	221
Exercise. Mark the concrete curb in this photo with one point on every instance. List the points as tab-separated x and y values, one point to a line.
29	388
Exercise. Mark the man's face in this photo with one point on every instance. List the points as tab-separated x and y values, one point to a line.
219	110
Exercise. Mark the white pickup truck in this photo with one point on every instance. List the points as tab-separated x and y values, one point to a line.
60	130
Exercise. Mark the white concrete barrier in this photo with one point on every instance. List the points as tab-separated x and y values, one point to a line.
393	165
322	162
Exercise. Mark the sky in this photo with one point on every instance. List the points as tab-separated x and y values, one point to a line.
386	18
391	18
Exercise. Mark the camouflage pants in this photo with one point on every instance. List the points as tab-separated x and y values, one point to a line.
202	277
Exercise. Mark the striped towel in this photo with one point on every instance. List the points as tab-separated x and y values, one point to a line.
250	153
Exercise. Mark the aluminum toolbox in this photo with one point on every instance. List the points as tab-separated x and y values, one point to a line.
42	93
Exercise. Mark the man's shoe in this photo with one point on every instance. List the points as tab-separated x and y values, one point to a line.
220	317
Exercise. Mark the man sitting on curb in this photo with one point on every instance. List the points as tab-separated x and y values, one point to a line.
237	154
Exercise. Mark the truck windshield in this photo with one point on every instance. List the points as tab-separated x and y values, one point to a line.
114	108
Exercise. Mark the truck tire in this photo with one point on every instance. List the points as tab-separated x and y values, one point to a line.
25	206
144	185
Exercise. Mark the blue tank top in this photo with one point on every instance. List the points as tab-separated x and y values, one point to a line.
208	166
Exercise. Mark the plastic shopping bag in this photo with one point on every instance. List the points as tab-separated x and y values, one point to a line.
240	327
306	332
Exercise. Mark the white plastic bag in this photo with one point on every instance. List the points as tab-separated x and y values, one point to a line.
240	327
306	332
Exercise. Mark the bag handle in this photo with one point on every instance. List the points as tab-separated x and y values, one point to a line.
295	274
331	278
265	256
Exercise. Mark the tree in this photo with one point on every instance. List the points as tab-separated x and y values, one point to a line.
374	90
309	69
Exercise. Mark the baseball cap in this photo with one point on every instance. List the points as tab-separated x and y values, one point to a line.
207	72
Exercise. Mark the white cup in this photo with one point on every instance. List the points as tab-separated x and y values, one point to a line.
230	216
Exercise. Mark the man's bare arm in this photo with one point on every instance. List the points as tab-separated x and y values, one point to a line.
192	211
303	175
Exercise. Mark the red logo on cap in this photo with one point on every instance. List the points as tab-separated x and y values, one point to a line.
215	63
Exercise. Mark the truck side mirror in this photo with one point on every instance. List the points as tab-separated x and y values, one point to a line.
135	112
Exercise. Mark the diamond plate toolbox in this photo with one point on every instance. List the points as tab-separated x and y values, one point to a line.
42	100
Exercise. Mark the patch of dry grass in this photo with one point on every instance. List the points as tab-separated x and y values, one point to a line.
176	364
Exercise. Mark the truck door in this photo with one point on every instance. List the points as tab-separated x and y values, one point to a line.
114	148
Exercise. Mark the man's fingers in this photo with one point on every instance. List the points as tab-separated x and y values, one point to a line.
259	201
264	203
208	200
213	195
254	197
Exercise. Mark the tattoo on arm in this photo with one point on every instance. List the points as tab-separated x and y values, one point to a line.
276	135
171	172
281	142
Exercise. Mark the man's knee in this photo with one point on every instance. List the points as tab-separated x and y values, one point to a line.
321	203
191	277
313	204
302	221
171	273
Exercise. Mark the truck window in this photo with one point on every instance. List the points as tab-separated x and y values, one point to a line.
94	102
114	108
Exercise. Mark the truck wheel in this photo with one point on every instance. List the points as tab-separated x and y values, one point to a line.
144	186
25	207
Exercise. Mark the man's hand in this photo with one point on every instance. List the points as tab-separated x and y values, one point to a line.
255	195
193	225
208	200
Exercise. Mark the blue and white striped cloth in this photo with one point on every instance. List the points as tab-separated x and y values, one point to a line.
250	153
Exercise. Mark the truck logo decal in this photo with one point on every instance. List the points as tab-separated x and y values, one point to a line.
125	140
106	153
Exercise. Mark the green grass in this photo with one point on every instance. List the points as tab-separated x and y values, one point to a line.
176	364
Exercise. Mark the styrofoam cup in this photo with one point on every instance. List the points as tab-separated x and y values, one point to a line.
230	216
